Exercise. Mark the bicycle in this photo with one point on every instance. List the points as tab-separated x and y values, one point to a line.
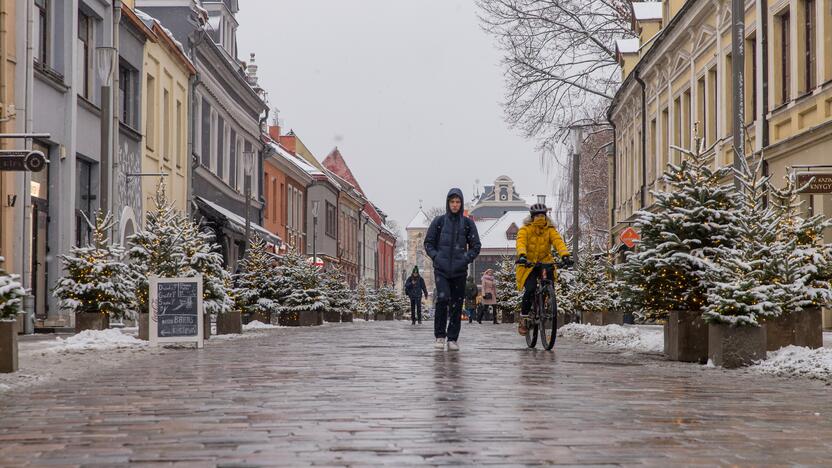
543	317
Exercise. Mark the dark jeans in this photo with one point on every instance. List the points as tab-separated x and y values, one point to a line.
450	293
531	285
415	308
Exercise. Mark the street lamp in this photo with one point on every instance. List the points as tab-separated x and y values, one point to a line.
105	65
315	205
248	165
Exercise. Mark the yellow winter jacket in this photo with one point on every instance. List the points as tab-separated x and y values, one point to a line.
536	244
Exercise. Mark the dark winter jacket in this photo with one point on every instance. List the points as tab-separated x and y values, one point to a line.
452	241
414	287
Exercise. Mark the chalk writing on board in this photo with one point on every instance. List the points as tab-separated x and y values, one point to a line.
176	308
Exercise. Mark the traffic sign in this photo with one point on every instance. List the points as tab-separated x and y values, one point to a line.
16	160
629	237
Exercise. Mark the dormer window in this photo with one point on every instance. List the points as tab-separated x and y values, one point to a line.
511	232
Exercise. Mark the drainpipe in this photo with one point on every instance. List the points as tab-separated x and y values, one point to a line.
24	191
262	171
614	202
193	161
764	65
643	140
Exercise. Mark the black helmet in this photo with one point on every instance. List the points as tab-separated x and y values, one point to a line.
538	208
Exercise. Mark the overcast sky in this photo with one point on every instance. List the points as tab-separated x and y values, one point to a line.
409	91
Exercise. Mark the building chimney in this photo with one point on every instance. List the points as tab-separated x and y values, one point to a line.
274	132
541	199
251	72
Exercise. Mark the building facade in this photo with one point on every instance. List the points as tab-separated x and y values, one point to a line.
677	85
415	231
11	228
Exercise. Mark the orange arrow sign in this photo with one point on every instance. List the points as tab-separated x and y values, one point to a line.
629	237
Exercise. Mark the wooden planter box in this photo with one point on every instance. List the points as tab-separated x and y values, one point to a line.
566	317
346	317
386	316
21	323
91	321
8	346
306	318
602	317
629	318
229	323
260	316
206	326
801	329
686	336
733	347
144	326
508	317
332	316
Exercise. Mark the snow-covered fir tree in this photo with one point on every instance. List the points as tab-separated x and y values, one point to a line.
203	255
803	261
693	224
11	294
743	288
386	302
158	249
591	288
365	298
300	285
256	288
338	293
509	298
96	279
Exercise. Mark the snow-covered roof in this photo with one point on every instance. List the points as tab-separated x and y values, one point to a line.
646	11
296	161
493	233
239	222
627	46
149	21
420	221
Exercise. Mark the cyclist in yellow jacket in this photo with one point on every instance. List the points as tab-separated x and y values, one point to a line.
535	241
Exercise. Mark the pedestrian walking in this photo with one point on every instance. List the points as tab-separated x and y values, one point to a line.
489	292
415	287
452	243
470	298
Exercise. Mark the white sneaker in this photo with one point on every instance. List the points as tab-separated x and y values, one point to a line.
440	343
452	346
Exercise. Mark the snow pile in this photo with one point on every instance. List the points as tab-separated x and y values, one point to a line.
638	339
258	325
89	340
797	361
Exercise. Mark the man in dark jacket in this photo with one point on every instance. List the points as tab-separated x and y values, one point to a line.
452	243
414	287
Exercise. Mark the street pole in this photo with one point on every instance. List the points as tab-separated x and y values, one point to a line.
315	205
247	161
576	185
738	72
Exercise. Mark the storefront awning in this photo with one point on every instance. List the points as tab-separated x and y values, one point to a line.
234	221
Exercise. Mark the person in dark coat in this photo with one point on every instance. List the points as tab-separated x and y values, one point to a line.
414	287
452	243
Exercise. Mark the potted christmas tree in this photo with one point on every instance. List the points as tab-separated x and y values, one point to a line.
339	296
509	297
364	299
590	296
97	284
11	303
256	291
802	270
386	304
693	222
302	300
742	292
203	256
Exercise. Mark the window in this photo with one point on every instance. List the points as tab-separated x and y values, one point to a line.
127	95
268	202
206	133
84	54
687	113
750	79
729	96
665	139
677	125
827	38
710	108
652	136
219	149
275	199
84	201
810	36
331	221
166	128
40	35
180	135
232	160
785	62
290	207
150	118
700	108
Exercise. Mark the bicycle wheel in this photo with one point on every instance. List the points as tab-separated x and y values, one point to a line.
548	314
531	333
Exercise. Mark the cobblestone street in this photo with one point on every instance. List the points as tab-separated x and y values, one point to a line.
378	393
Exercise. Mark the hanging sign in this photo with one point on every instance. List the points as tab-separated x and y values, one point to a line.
13	160
629	237
176	310
819	182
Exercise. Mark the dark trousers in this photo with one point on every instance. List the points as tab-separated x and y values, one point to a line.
450	293
415	308
531	284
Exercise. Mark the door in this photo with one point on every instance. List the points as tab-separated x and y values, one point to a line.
40	250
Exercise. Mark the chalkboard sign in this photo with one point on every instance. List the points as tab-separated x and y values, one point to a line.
176	310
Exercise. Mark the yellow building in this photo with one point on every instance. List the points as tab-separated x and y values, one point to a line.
165	125
10	182
678	78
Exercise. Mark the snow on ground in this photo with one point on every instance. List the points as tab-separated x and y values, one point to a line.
636	338
796	361
258	325
98	340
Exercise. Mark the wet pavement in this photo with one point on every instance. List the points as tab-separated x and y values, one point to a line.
367	394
